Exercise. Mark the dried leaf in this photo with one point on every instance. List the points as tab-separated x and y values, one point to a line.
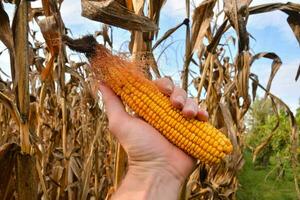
6	35
261	146
291	9
201	20
274	6
275	65
216	39
167	34
113	13
254	85
129	4
243	72
229	124
138	6
11	106
104	33
154	10
237	13
294	22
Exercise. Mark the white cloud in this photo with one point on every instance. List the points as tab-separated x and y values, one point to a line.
176	8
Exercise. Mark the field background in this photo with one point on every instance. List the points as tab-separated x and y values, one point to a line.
236	58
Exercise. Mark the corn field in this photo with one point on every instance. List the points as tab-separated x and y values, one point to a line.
54	141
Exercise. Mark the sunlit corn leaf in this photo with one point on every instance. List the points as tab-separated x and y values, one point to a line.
116	14
237	13
243	72
5	32
154	10
138	6
291	9
275	65
202	17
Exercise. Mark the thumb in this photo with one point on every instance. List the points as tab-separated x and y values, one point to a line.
115	111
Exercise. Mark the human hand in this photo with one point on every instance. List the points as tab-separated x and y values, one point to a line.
156	166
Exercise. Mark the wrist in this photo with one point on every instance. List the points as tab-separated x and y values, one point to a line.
148	184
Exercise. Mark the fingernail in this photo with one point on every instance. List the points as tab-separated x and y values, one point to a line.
180	100
169	88
203	115
191	108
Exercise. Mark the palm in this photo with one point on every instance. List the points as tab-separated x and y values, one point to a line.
146	146
147	149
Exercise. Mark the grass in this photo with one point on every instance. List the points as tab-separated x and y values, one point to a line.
254	187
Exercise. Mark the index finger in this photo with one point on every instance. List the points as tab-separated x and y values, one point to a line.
165	85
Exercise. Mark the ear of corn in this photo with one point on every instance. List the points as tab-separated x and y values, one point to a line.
199	139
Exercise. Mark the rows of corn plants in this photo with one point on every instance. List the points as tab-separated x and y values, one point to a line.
53	129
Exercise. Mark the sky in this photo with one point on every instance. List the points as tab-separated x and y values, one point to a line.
270	30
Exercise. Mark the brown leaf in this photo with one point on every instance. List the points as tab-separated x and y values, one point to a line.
105	35
154	9
274	6
129	4
11	106
167	34
216	39
237	13
138	6
294	22
254	85
275	65
229	125
6	35
201	20
291	9
113	13
243	72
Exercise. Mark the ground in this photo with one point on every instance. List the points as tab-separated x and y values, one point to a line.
254	187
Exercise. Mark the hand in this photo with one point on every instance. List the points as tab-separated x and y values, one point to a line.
157	168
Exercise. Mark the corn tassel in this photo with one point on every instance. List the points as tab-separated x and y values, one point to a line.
199	139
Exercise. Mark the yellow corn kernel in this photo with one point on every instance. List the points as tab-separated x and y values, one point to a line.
199	139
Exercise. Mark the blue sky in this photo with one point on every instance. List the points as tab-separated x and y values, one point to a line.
271	33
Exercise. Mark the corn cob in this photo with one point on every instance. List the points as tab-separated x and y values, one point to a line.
199	139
